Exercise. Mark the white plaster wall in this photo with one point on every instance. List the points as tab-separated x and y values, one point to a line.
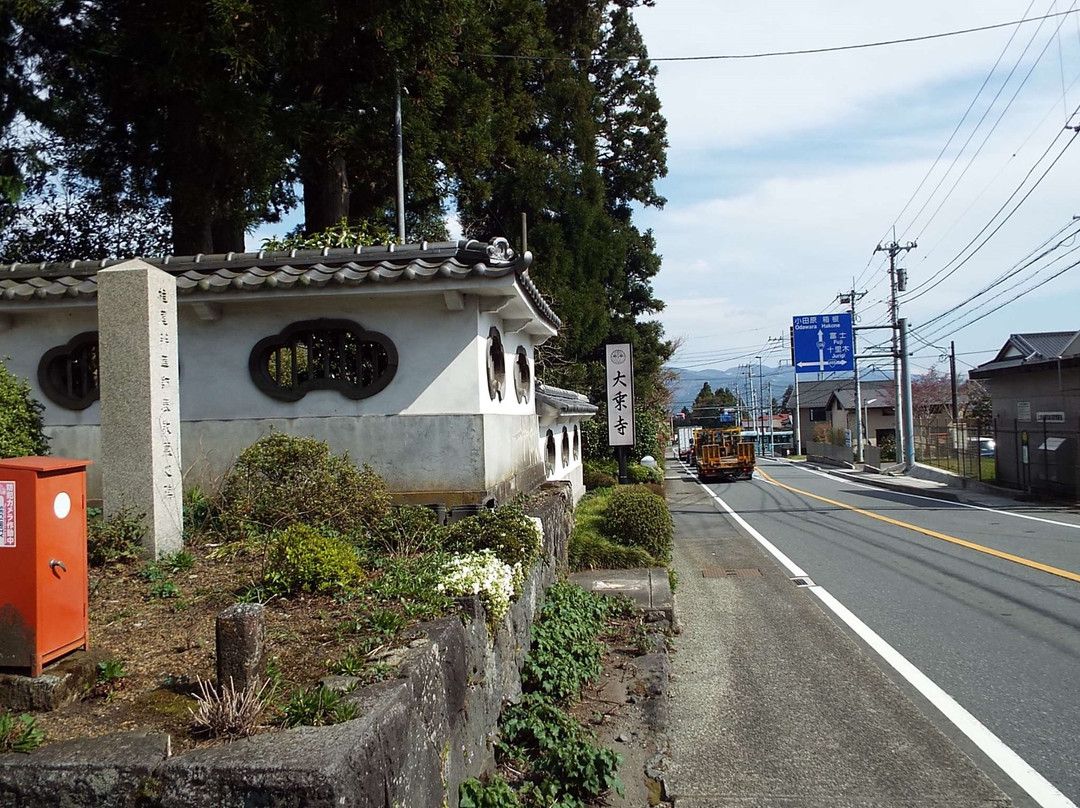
31	335
434	428
571	471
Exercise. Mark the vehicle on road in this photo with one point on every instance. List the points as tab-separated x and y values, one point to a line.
723	454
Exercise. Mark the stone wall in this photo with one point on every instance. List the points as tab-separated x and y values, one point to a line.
416	738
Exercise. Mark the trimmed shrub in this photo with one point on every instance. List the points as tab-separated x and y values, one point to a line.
594	476
281	480
21	428
301	558
637	473
637	517
407	530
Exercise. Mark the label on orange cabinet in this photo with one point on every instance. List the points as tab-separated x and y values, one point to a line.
7	514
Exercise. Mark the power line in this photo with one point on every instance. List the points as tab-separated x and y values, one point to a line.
768	54
941	275
959	124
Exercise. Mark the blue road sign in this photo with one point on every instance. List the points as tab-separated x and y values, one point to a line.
824	343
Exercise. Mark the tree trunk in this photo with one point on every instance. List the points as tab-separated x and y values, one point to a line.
228	236
326	191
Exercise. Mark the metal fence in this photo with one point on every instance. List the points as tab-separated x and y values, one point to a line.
1036	458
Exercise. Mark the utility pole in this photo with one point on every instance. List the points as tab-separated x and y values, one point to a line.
796	434
909	425
761	410
851	298
897	283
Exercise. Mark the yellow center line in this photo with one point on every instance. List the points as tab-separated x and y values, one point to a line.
1027	562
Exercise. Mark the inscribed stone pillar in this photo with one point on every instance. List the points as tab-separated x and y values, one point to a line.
140	400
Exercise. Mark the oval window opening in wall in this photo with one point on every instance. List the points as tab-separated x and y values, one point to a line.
496	365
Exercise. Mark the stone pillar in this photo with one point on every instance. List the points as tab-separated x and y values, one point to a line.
140	400
241	646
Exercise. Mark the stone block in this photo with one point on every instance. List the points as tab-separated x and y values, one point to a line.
113	771
58	684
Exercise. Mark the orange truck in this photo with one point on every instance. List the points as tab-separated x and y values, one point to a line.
722	454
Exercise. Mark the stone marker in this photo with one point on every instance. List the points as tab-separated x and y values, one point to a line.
241	646
140	400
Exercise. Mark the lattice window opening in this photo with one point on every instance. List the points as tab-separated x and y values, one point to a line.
69	374
549	453
323	355
565	447
577	442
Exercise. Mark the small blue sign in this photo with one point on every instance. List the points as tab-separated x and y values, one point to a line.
824	343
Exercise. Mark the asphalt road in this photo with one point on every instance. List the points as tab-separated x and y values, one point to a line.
999	637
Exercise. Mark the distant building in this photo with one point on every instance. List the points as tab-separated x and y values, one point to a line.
830	405
1034	383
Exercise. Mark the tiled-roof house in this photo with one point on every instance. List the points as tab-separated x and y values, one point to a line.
438	391
831	404
1034	383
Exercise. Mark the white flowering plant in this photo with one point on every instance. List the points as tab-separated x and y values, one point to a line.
482	573
517	539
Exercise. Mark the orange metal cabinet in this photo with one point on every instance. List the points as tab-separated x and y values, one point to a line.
43	577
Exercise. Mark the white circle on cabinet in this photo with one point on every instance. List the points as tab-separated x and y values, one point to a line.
61	505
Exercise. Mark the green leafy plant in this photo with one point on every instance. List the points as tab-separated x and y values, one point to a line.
281	480
316	707
638	517
116	539
565	650
109	670
304	559
494	793
22	431
180	561
200	513
163	590
594	476
19	733
342	234
566	766
589	547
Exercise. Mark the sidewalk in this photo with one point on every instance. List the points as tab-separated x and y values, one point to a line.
773	705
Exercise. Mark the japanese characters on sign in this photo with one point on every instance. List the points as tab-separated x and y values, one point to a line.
170	468
7	514
620	394
823	343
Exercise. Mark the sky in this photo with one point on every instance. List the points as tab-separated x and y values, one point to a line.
786	172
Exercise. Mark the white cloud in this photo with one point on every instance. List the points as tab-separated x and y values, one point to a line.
786	172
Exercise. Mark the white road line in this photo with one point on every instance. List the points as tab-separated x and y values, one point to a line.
1038	787
934	499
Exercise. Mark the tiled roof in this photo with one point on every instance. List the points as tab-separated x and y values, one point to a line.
266	272
813	395
1030	351
558	401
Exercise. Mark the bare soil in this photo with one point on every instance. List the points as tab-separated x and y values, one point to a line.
167	643
164	637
